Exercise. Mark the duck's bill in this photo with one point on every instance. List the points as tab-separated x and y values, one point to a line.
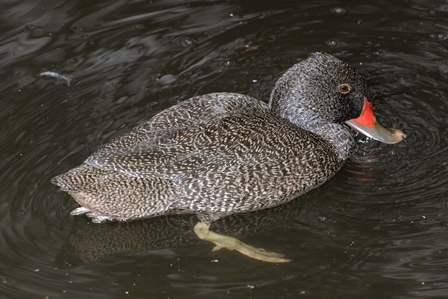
366	124
378	132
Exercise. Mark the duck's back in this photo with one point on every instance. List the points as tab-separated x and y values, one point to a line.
218	154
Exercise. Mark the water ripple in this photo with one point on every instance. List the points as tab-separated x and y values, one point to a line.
396	172
377	229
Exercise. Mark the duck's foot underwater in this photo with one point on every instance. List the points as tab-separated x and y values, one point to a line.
202	230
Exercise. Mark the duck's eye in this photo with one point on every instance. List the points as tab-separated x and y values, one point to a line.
344	88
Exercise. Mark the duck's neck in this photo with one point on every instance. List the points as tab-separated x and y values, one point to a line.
339	135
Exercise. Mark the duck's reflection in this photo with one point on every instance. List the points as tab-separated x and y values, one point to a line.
90	241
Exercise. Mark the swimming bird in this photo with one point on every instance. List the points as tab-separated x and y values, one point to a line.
223	153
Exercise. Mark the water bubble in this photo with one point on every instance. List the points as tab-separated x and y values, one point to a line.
187	42
226	63
139	26
29	26
339	10
323	218
78	28
332	43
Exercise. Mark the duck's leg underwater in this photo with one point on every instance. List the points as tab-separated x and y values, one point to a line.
202	230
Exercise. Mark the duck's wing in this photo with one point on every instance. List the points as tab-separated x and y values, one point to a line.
177	139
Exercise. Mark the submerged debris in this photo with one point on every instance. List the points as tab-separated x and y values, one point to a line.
59	78
252	48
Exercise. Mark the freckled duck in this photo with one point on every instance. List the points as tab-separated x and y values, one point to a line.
224	153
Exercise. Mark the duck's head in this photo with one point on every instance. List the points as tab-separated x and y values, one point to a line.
323	89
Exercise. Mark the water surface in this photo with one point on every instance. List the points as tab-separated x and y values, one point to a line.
378	229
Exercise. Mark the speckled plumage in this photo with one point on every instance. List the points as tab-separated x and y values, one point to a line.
225	153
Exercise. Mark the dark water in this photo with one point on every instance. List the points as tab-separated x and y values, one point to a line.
379	229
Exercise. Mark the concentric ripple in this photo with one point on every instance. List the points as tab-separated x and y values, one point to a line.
416	168
378	229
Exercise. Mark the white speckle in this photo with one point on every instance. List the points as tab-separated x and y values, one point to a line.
339	10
